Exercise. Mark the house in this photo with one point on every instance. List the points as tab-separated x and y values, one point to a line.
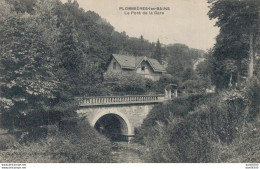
142	65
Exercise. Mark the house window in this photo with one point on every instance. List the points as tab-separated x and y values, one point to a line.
114	65
143	67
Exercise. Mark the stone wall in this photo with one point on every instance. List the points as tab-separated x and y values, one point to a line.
133	115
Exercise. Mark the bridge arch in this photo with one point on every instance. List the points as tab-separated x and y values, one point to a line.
117	116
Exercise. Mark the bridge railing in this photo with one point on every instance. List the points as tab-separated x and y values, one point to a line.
103	100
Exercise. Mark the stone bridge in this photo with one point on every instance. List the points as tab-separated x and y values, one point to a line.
117	116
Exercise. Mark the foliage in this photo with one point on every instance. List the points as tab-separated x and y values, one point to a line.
210	132
242	151
126	82
178	142
81	145
7	142
252	92
179	107
205	67
27	72
165	80
45	62
180	58
25	6
150	85
196	86
158	52
83	56
236	42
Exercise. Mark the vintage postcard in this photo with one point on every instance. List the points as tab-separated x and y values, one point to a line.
129	81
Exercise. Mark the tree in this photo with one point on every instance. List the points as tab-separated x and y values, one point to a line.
204	67
22	6
158	52
27	73
35	89
239	30
179	59
129	83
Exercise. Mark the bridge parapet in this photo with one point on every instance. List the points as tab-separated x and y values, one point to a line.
114	100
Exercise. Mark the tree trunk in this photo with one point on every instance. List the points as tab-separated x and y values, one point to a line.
238	79
239	67
251	57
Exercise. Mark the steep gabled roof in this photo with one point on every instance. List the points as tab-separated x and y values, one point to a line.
132	62
125	61
157	67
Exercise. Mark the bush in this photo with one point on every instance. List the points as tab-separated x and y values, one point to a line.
244	149
150	85
7	141
81	144
252	92
179	107
164	80
178	141
196	86
100	89
129	82
211	132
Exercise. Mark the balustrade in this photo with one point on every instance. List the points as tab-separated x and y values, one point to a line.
117	99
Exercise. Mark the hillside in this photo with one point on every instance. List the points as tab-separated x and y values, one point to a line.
100	38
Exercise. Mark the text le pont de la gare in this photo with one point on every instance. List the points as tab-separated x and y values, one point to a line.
144	10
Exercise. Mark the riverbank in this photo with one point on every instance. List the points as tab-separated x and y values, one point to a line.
123	152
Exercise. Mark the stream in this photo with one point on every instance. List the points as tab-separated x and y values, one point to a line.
124	152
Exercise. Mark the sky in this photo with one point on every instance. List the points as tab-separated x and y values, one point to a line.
186	22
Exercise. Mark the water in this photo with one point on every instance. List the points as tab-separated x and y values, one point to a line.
124	152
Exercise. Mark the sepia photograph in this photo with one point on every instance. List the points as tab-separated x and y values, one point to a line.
129	81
